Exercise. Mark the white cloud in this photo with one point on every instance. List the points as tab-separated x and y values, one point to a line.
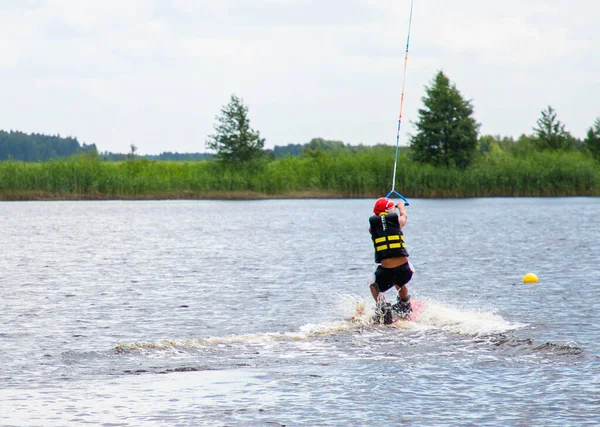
156	73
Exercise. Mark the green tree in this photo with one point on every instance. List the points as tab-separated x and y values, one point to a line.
131	154
525	146
487	143
592	141
324	144
37	147
446	131
234	140
551	133
491	146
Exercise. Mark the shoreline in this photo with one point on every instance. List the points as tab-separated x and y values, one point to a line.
23	196
238	195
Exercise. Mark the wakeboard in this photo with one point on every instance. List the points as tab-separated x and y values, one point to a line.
389	316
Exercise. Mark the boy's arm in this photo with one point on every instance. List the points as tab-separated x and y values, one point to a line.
402	217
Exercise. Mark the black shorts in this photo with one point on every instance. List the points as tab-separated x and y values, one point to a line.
385	278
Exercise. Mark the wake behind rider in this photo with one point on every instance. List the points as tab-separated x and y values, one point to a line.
394	269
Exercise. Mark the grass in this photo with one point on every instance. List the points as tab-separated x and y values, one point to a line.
342	173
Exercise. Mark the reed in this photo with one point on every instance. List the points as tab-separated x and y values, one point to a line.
365	172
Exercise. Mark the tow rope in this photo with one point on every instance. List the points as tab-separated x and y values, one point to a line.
401	105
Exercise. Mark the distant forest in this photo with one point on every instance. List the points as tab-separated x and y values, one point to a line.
38	148
174	157
35	147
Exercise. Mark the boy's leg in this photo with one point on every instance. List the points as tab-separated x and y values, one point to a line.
402	306
374	291
402	292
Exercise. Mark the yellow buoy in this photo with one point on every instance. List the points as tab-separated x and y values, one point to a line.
530	278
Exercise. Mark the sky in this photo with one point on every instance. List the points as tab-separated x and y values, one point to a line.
156	73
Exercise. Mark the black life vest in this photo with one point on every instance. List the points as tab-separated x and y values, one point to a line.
387	237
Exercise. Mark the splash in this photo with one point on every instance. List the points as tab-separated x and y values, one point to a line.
435	316
360	318
306	332
464	321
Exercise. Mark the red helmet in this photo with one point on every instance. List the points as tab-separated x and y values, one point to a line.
382	205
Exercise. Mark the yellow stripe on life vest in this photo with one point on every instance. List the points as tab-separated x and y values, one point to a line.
394	237
380	239
395	245
381	248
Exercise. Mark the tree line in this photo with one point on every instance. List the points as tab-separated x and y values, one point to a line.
35	147
447	157
19	146
447	133
38	148
108	156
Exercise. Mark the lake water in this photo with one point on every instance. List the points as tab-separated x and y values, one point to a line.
233	313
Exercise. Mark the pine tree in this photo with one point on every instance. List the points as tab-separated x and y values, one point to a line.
447	133
234	140
551	132
592	141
